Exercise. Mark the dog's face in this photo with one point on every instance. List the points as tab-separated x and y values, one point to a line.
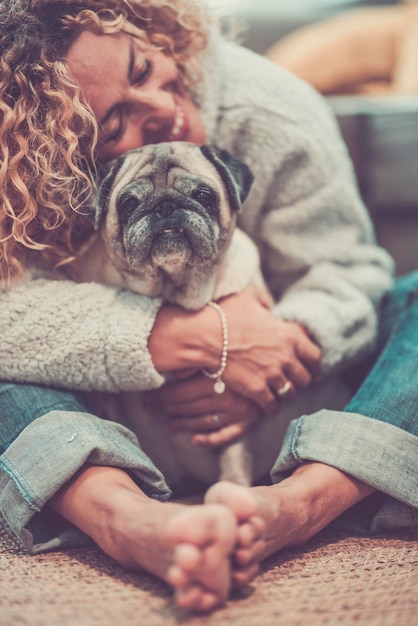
166	213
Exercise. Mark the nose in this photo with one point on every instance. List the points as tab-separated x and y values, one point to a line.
166	208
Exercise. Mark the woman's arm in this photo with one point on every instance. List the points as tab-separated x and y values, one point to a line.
304	211
77	336
263	352
316	240
92	337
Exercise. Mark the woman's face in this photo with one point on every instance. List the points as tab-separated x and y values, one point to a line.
134	92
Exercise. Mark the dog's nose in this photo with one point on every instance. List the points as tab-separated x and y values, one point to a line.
166	209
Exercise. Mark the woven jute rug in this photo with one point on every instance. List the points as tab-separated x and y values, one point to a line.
336	579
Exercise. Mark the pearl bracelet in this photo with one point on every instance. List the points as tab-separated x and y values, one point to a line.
219	386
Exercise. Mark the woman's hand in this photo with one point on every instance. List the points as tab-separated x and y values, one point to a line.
266	353
192	406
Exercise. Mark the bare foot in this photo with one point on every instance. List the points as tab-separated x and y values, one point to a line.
188	546
250	547
293	511
266	503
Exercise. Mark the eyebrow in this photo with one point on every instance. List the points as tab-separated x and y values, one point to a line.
131	65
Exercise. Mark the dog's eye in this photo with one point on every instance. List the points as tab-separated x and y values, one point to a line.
206	197
126	205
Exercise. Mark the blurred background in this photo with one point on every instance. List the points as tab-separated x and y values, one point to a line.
268	20
379	125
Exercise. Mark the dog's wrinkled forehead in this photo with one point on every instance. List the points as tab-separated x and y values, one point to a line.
156	167
159	164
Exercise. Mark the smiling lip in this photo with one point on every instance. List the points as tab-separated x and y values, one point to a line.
180	126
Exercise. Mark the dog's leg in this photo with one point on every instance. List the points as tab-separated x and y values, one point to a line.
236	464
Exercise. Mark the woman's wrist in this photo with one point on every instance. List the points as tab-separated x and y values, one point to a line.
186	339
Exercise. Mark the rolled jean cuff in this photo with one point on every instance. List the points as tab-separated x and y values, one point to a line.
372	451
47	454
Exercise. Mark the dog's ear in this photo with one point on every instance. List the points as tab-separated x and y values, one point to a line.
236	175
100	201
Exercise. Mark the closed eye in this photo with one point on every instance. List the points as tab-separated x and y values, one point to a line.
141	76
115	126
138	72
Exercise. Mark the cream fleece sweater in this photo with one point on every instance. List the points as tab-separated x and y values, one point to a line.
304	213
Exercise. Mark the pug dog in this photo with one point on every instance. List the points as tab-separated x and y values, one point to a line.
165	217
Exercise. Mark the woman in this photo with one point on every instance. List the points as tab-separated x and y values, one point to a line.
81	84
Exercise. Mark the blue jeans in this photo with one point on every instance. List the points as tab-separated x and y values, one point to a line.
46	436
373	439
20	405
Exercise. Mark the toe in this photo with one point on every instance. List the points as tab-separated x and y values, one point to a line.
251	554
177	577
251	531
187	557
240	499
189	598
209	602
242	577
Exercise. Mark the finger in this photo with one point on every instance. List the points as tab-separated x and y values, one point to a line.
310	355
298	375
217	403
189	410
297	378
228	403
186	373
180	393
220	437
283	390
263	397
264	297
195	424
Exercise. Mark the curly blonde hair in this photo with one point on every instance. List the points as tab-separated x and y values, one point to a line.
48	136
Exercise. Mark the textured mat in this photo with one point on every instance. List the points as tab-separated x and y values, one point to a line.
336	580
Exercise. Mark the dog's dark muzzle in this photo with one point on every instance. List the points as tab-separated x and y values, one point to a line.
170	227
167	208
172	216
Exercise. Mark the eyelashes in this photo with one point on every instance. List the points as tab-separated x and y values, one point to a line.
143	74
116	134
139	78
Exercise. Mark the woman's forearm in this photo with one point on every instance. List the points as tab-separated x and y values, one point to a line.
77	336
263	352
185	339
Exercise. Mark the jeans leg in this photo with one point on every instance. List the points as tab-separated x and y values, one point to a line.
21	404
46	436
390	391
375	438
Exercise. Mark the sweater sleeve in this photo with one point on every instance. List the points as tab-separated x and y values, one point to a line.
82	336
315	236
319	254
